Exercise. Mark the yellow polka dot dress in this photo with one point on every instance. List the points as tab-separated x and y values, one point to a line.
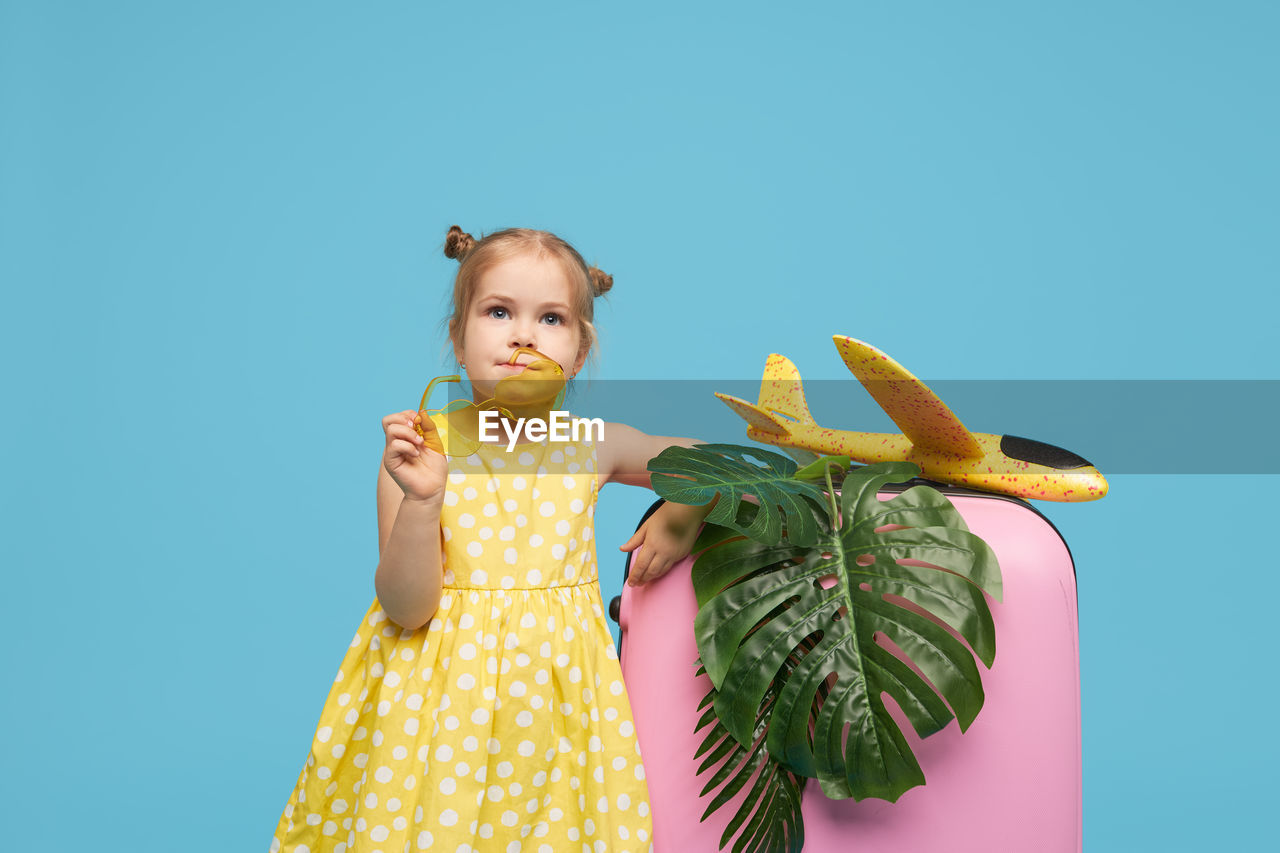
502	725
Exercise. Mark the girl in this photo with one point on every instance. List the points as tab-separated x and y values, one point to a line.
480	706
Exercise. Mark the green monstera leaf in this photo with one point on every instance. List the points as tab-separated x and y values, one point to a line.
696	475
802	638
768	820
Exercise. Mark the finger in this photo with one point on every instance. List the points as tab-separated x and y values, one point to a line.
424	426
636	567
406	432
400	417
657	568
665	566
639	569
395	420
430	434
635	541
402	449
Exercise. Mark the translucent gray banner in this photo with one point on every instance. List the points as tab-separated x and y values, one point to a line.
1121	426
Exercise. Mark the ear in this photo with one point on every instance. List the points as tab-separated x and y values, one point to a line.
579	362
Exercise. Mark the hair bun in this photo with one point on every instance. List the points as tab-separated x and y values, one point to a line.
601	281
458	243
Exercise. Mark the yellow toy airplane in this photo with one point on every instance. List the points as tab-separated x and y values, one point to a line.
932	436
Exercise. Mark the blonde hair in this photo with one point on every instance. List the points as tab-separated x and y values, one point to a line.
476	257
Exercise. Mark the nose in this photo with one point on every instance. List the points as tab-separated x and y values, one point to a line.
522	336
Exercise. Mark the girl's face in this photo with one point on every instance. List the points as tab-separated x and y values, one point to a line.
524	301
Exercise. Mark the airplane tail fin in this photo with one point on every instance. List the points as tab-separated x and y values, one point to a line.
781	392
781	404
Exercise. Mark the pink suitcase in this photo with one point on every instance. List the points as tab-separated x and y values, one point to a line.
1011	783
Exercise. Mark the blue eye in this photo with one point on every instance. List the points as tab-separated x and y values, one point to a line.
497	313
553	319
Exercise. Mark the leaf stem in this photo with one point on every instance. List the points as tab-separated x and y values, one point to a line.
831	496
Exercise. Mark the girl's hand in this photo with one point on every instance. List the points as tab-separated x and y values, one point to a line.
667	537
418	470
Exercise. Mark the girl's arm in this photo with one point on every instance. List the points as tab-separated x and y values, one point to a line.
410	573
411	484
668	534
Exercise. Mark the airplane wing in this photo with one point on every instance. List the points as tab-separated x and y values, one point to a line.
923	418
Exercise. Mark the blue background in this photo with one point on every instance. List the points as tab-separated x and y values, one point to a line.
220	234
